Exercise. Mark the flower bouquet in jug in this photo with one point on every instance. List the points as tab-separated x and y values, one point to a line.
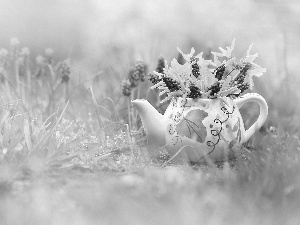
202	121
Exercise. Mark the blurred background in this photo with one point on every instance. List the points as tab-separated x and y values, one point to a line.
103	39
108	35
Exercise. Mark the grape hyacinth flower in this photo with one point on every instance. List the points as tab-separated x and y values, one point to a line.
65	71
126	87
135	75
160	65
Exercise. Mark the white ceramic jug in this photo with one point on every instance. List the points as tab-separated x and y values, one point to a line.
199	129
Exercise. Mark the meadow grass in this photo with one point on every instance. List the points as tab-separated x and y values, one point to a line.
71	156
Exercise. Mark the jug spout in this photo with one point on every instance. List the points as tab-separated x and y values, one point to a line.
154	123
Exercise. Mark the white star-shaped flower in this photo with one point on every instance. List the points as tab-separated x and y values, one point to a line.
255	70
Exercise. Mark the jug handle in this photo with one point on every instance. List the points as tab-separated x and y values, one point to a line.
263	113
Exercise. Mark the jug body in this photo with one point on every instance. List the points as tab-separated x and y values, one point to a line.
203	128
200	129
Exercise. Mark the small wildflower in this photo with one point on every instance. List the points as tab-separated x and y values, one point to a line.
214	89
3	52
219	72
65	78
65	71
14	41
49	52
245	68
194	92
243	87
273	130
25	51
172	84
228	52
126	87
254	70
40	60
137	73
240	77
181	73
195	67
140	68
237	65
187	57
160	65
224	53
157	77
154	78
133	77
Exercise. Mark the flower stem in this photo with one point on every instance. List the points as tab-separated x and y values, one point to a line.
129	113
17	75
